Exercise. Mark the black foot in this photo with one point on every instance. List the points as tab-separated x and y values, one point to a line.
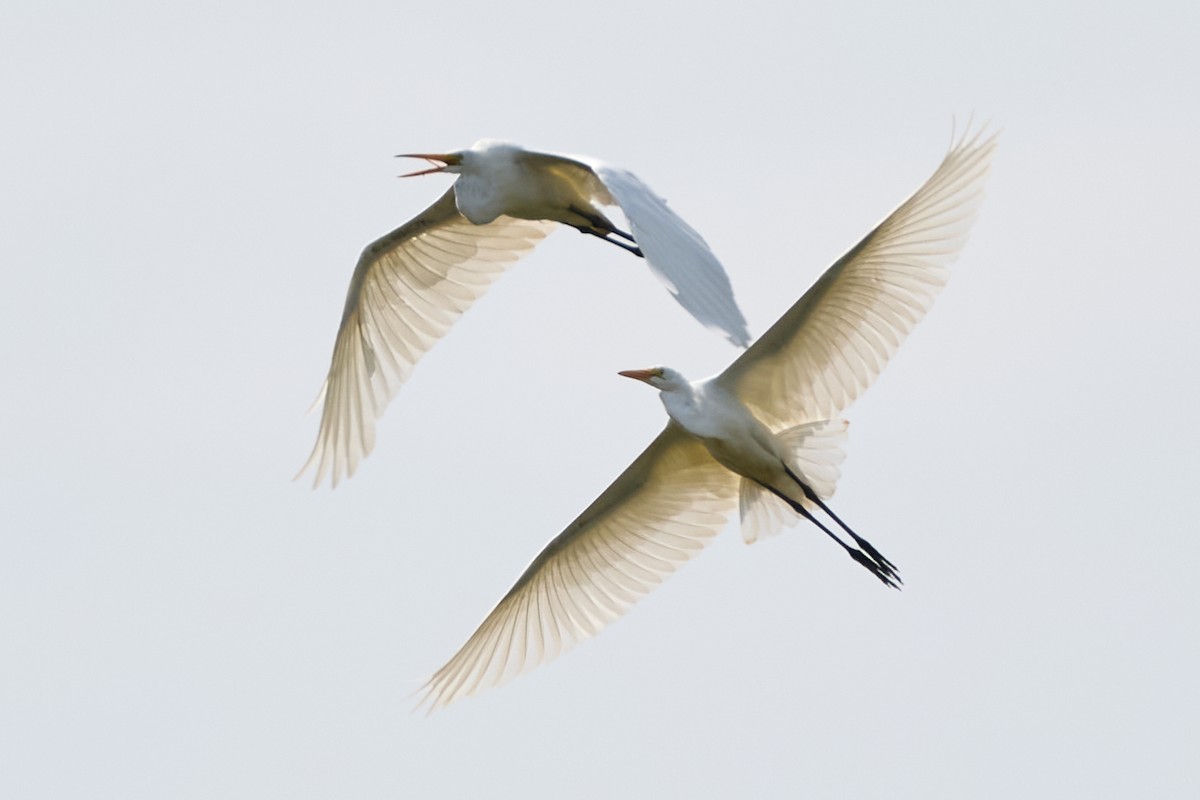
888	577
887	566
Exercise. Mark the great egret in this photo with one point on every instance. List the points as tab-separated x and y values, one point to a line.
760	432
410	286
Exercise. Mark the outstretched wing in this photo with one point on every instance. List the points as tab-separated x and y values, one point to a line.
677	255
669	503
828	347
408	289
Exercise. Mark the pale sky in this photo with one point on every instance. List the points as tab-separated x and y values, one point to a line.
185	191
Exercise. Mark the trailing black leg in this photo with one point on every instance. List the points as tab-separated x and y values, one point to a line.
637	251
601	223
600	227
861	542
884	573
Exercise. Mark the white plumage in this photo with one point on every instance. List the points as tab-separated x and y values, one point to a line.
410	286
762	432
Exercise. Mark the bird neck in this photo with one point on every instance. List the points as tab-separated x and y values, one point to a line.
683	403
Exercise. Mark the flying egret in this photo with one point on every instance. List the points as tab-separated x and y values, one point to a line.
761	435
411	285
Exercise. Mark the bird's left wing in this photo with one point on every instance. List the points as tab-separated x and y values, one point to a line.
829	346
409	287
660	512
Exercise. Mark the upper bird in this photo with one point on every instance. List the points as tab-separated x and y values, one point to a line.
760	435
411	285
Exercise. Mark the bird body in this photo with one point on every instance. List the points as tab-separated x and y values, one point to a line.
499	178
410	286
761	436
725	426
768	466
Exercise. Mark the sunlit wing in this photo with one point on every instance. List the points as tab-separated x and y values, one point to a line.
408	289
662	510
676	254
829	346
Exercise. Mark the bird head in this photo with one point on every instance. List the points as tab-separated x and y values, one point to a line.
442	162
664	379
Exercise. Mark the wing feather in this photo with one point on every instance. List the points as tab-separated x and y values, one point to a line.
408	288
829	346
663	509
677	254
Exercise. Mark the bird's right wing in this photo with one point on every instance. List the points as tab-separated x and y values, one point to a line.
660	512
677	254
408	289
837	338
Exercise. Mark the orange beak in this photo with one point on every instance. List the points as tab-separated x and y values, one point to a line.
446	159
643	375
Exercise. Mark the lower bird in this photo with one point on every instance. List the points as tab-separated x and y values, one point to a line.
762	435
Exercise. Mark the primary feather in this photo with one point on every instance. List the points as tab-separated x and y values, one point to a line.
828	347
408	288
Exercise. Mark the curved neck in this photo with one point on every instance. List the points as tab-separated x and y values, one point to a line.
682	403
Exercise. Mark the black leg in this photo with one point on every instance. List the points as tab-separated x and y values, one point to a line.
637	251
861	542
602	227
883	573
626	236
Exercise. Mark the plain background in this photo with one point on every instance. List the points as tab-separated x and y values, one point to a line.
185	190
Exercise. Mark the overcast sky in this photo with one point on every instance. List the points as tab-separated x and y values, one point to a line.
186	188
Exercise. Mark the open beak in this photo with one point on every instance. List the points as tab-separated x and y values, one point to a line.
446	159
643	375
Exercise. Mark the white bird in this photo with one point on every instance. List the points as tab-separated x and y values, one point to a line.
411	285
762	433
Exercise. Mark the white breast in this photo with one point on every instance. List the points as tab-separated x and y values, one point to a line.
730	432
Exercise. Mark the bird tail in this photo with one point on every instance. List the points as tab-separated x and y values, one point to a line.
815	455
